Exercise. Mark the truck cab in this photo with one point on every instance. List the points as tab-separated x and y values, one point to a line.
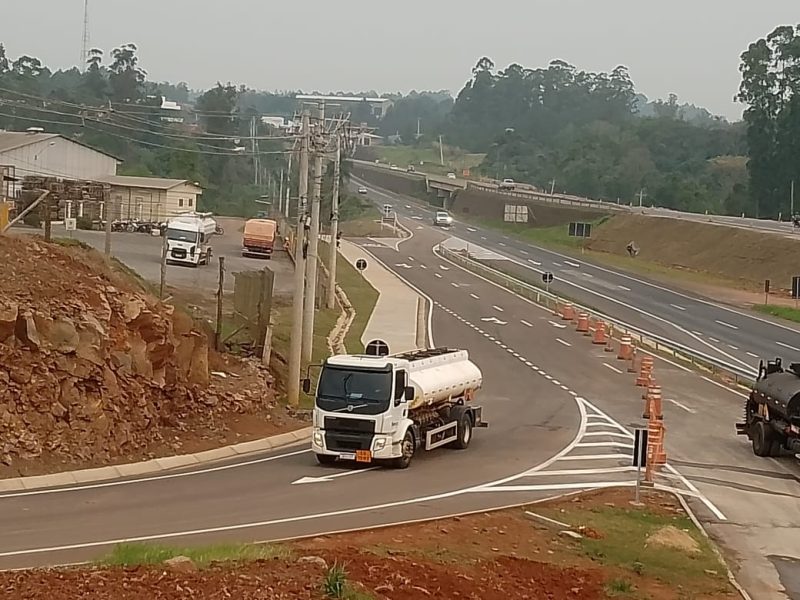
189	239
383	408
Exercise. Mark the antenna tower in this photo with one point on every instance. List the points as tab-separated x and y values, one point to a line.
85	43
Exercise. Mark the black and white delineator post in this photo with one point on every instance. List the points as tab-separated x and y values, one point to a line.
639	459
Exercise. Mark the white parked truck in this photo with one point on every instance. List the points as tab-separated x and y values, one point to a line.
189	238
385	408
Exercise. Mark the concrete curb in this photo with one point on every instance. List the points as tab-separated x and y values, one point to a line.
156	465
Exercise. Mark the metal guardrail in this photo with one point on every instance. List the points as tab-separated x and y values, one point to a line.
737	375
551	198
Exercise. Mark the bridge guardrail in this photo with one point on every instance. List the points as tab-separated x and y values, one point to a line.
740	376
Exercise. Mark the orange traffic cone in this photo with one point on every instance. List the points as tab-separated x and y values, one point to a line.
583	323
625	348
599	335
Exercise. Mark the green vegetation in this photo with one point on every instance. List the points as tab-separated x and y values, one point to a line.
455	159
128	555
335	586
623	543
784	312
557	236
619	587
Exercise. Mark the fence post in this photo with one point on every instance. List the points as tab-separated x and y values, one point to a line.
220	292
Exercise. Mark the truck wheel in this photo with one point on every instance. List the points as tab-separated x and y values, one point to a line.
407	447
326	459
763	439
463	433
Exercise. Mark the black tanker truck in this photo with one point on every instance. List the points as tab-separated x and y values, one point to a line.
772	410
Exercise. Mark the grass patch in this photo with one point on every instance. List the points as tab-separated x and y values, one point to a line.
619	587
129	555
336	586
624	544
455	159
784	312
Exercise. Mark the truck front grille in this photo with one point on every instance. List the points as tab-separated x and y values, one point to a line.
349	425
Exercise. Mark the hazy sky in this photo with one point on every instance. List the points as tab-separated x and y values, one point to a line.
689	47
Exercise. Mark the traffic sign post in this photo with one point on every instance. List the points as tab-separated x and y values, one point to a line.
361	264
639	459
766	291
70	224
547	279
377	348
796	288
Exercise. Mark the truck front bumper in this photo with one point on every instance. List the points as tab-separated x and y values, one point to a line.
381	447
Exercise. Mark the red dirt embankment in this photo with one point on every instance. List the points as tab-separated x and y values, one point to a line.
93	370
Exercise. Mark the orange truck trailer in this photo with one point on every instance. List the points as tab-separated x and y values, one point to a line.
258	237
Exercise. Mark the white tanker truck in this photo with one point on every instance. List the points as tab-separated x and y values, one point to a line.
384	408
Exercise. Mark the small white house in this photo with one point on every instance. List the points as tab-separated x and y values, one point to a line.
151	198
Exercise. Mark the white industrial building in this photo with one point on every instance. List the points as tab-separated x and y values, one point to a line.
151	199
27	153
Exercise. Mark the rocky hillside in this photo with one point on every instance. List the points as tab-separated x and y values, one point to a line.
92	368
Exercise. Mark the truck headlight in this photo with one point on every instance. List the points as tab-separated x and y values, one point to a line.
318	438
380	444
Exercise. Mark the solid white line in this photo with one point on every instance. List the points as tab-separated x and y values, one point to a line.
612	367
788	346
594	456
560	341
557	486
108	484
475	296
557	325
622	287
603	445
526	323
583	471
605	433
677	306
683	406
494	306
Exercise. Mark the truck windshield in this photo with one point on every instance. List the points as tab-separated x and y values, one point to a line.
178	235
367	391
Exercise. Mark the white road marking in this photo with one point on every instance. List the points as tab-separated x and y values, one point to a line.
571	264
589	275
454	284
557	325
595	456
732	347
483	238
472	229
698	333
678	306
115	483
493	320
501	243
583	471
726	324
326	478
560	341
475	296
683	406
526	323
494	306
411	258
612	367
534	262
715	340
622	287
751	354
524	252
444	268
421	266
557	264
788	346
438	275
403	266
604	445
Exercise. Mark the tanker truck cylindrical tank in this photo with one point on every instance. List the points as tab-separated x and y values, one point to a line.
450	377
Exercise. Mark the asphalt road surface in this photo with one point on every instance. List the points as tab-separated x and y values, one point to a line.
725	333
142	253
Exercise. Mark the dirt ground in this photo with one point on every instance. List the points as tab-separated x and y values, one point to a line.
744	258
490	556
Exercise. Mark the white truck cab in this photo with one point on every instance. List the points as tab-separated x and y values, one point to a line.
383	408
189	238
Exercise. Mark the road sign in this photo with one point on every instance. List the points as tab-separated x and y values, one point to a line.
361	264
387	210
766	285
583	230
796	287
639	458
377	348
547	277
71	224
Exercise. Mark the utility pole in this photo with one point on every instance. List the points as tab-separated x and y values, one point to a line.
441	151
280	194
791	195
334	249
296	347
107	215
253	148
163	280
288	186
313	242
552	187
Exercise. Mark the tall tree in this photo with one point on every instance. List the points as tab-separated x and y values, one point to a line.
126	78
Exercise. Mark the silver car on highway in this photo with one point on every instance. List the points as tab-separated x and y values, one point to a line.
442	219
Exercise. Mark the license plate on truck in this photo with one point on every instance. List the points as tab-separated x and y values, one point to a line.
363	456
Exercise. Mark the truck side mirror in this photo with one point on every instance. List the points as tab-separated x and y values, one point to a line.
409	394
306	385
